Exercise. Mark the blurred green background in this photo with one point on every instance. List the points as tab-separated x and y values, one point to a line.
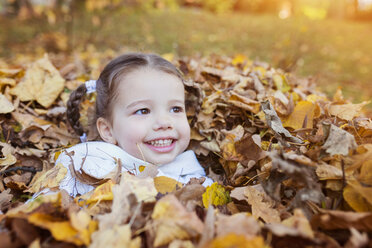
327	40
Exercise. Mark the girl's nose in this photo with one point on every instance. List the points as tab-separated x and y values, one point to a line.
163	122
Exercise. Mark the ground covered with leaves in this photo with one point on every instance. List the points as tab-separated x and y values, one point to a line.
291	167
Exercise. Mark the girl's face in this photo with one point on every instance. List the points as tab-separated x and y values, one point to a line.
149	119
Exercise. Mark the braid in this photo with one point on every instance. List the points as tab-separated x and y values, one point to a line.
73	110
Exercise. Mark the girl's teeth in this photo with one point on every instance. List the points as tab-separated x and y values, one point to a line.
166	142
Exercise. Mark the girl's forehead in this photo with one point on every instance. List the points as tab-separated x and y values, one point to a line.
146	77
149	84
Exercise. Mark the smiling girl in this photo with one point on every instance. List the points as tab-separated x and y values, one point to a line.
141	119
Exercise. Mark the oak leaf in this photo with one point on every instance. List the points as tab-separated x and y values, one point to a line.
262	205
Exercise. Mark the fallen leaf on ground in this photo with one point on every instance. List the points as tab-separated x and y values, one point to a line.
338	141
42	82
262	205
172	221
5	105
346	111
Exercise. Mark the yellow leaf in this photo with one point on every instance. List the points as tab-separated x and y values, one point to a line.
347	111
165	184
168	56
261	70
216	195
281	83
314	98
49	179
61	230
365	175
101	193
302	116
236	241
5	105
238	59
141	168
42	82
358	196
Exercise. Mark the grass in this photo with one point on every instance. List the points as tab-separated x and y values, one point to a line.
334	52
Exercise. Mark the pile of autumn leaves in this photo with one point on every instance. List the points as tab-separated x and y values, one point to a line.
291	168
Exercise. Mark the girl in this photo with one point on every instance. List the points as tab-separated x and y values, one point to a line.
141	118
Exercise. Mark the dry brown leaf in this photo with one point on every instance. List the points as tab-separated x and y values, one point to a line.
338	141
299	222
181	244
357	239
262	206
326	172
5	105
172	221
335	220
244	103
10	72
115	237
48	179
347	111
42	82
248	226
5	199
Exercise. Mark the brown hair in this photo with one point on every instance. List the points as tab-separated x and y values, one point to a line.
108	82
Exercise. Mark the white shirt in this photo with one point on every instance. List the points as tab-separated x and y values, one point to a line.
101	159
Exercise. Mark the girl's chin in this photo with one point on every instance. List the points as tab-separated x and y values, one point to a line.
160	159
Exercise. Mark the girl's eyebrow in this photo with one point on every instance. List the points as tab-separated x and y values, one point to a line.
177	101
138	102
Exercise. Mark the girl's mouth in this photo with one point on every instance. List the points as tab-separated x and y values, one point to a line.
161	145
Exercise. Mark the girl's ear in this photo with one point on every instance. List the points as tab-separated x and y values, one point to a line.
105	130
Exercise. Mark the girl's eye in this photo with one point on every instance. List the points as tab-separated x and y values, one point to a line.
177	110
143	111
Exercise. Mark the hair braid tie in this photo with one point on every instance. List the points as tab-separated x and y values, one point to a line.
91	86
